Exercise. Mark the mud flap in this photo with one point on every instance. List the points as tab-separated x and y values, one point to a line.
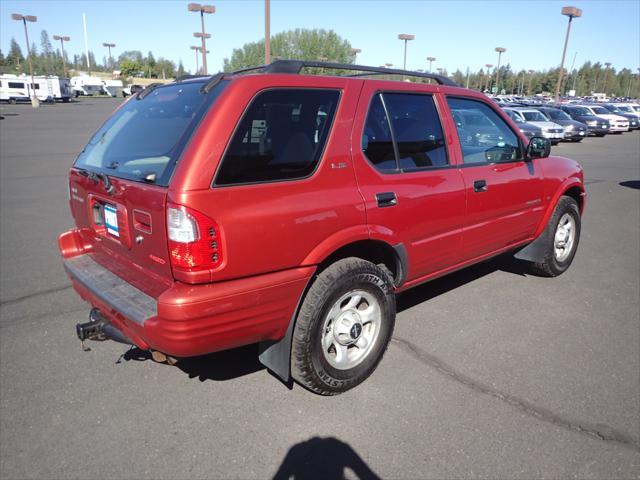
276	355
534	252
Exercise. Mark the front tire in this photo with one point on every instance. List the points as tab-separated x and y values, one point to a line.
344	326
561	238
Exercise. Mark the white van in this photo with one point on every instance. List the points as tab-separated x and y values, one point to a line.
113	88
16	88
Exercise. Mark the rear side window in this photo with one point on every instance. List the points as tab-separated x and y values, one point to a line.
281	136
403	133
484	136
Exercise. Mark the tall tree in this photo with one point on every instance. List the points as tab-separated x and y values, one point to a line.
14	57
303	44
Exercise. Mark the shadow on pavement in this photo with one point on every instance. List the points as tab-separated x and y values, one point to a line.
631	184
218	366
435	288
323	458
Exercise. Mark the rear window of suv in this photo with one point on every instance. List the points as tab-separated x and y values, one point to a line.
145	137
280	137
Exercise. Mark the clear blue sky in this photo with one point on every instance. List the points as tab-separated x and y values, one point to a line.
457	33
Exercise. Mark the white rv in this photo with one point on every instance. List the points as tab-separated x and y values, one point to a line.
15	88
86	85
113	88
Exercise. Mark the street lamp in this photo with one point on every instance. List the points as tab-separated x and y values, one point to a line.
431	60
109	46
500	51
606	72
406	37
571	12
24	19
489	66
355	52
530	72
62	40
196	7
267	32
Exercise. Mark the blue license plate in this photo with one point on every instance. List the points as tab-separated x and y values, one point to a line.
111	220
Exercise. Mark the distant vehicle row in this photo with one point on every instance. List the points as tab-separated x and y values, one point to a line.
571	122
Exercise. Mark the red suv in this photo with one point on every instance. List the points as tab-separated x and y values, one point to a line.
289	209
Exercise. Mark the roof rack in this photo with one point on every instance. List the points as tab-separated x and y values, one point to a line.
295	66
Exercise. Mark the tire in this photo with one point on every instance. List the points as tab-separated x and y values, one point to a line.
577	140
557	261
13	101
336	345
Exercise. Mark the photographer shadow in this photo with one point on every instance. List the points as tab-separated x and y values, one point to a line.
323	458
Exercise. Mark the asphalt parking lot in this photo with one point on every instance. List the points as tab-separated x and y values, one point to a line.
492	373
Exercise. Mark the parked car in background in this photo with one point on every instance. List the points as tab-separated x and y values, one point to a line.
530	130
618	124
629	108
131	89
598	126
86	85
289	209
573	130
550	130
633	118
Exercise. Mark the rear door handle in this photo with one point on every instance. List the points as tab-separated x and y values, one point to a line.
480	186
386	199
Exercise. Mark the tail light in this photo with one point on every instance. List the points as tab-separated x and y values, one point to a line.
194	239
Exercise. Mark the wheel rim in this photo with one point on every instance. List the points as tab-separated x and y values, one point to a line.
564	238
350	330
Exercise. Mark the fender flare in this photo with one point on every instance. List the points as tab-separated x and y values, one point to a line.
534	251
276	354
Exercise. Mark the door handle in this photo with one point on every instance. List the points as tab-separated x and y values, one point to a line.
386	199
480	186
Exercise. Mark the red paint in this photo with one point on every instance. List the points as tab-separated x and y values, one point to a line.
273	235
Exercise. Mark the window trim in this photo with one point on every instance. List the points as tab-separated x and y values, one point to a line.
521	146
214	182
396	152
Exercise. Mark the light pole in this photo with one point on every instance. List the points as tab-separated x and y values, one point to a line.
406	37
355	52
530	80
571	12
606	72
196	49
24	19
431	60
109	46
500	51
489	66
62	40
267	32
196	7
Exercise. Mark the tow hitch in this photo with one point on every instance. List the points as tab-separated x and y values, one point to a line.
98	328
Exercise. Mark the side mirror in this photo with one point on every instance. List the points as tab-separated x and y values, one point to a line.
539	147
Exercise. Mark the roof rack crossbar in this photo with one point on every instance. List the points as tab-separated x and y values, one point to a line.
296	66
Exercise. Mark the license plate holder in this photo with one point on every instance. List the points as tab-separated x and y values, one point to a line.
111	219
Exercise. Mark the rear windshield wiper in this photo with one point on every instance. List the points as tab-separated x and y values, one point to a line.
98	177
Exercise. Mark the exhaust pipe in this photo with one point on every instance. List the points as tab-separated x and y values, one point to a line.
98	328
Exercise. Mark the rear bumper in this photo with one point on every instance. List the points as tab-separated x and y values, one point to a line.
188	320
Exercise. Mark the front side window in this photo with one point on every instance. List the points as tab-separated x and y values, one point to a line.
280	137
407	124
484	136
16	85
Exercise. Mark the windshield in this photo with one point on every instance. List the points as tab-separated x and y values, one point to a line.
624	108
612	108
534	117
600	111
557	115
585	112
144	139
515	117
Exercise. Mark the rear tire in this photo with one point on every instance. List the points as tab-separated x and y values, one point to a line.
561	238
344	326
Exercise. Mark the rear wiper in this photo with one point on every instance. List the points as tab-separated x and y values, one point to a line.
98	177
